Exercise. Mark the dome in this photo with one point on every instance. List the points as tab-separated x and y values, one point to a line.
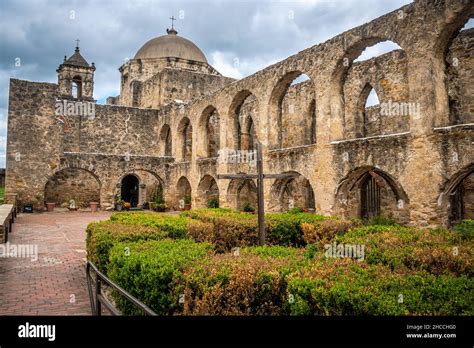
171	45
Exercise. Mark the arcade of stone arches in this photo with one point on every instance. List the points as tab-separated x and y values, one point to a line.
366	192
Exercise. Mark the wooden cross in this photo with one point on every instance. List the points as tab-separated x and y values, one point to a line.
260	176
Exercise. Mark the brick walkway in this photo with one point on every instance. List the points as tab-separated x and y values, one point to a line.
47	286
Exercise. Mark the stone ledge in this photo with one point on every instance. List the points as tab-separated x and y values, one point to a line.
453	128
375	137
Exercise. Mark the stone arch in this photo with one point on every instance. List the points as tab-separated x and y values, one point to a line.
185	140
365	115
209	129
76	87
457	199
148	184
440	66
352	191
166	141
243	113
241	191
130	189
459	76
183	189
339	74
296	192
69	183
207	190
289	103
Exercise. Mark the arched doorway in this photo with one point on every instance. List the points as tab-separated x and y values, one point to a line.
292	193
130	190
183	190
208	192
368	192
242	194
461	199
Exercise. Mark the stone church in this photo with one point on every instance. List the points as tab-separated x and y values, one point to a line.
410	157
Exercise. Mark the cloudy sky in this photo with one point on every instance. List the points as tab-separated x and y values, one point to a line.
238	37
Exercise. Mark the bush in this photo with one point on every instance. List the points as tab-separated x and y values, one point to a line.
346	287
201	231
151	270
248	208
101	237
213	203
173	226
323	232
436	251
465	229
250	284
281	228
210	215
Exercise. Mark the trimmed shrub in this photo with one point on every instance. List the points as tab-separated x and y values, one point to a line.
173	226
230	232
437	251
323	232
150	271
249	284
201	231
281	228
209	215
101	237
346	287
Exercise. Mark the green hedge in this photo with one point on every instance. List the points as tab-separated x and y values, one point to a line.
232	228
346	287
101	237
437	251
150	270
431	269
173	226
249	284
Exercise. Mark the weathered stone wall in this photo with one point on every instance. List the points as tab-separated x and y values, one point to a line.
460	80
422	156
155	82
72	184
387	74
170	85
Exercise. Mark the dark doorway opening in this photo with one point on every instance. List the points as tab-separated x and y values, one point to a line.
129	190
462	200
370	198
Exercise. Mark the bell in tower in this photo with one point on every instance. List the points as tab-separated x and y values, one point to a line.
76	77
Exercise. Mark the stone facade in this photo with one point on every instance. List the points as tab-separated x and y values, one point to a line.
413	152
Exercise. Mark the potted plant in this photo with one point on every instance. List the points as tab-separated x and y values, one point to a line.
93	206
158	203
187	202
213	203
118	202
248	208
50	206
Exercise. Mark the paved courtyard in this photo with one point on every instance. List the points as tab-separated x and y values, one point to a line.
55	283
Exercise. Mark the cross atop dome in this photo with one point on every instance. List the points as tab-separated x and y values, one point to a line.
172	31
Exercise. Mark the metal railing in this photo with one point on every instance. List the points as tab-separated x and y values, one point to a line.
99	299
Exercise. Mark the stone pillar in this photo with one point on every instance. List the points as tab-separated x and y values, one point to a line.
244	141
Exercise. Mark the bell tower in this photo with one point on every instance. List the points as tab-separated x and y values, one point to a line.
76	77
